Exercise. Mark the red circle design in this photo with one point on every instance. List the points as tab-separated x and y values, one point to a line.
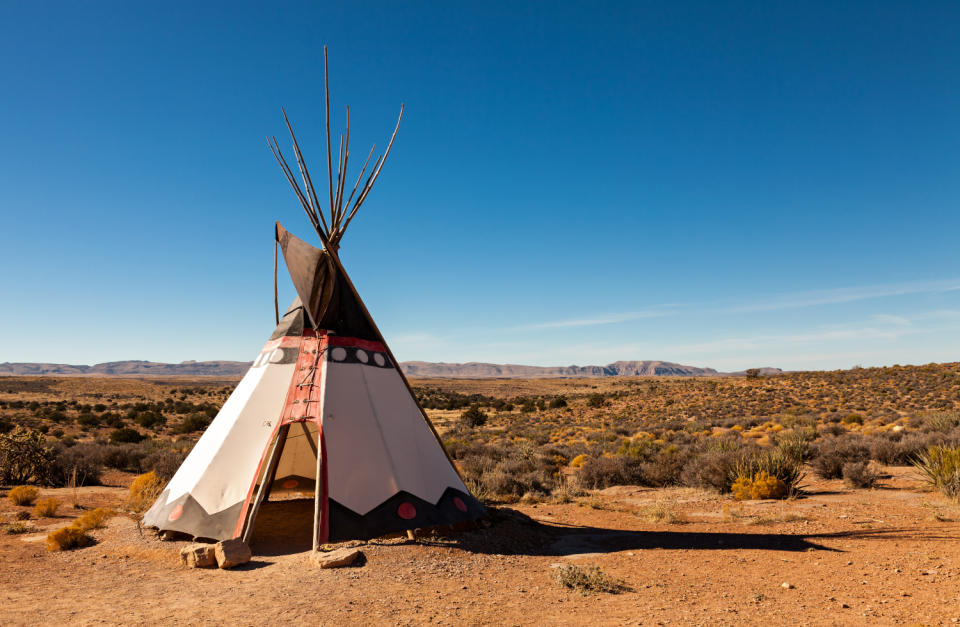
459	503
406	511
290	484
176	513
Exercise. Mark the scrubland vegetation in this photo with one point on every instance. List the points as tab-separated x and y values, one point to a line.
755	437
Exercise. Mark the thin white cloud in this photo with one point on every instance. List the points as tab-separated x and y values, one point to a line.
597	321
891	319
795	300
848	295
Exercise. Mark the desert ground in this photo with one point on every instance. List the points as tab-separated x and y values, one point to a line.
835	556
622	475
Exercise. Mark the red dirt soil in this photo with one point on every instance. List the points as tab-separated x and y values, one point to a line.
853	557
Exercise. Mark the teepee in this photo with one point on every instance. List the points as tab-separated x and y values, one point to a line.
324	409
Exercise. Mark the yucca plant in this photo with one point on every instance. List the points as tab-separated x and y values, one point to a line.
768	474
940	467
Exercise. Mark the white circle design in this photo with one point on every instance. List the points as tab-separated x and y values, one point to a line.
362	356
339	353
276	355
378	359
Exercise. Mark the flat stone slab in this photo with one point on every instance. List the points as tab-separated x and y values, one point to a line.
335	559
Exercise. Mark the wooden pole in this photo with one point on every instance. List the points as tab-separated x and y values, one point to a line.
326	83
265	481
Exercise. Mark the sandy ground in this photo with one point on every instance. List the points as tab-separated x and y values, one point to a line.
884	556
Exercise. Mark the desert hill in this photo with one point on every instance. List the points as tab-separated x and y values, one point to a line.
130	368
471	370
475	370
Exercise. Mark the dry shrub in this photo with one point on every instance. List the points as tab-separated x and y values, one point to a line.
144	491
940	467
93	519
759	486
588	579
75	535
506	473
567	489
860	475
16	528
22	515
941	420
709	470
68	538
663	512
46	508
830	454
767	474
603	472
23	495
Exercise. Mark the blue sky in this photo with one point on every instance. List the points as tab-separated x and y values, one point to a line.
717	184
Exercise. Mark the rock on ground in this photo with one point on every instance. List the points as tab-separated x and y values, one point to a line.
335	559
230	553
198	556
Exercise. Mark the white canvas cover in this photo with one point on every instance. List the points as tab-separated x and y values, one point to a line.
377	440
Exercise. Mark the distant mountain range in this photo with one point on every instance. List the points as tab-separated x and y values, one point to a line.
131	368
471	370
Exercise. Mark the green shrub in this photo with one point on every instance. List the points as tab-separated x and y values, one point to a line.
126	435
24	457
473	417
596	400
193	423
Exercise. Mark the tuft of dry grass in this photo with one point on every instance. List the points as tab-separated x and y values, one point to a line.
23	495
17	527
94	519
67	538
665	512
588	580
46	508
75	535
143	492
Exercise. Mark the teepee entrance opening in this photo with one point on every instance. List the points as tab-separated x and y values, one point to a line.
284	508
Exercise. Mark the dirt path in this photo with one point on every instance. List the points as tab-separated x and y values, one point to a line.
884	556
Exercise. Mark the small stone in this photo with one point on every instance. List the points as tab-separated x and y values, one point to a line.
844	606
198	556
335	559
787	586
230	553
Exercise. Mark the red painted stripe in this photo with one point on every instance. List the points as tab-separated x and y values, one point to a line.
336	340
